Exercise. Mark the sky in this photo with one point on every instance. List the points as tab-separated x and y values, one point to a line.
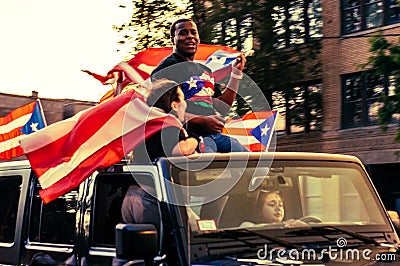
45	44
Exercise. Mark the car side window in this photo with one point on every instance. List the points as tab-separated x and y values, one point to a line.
10	190
110	189
53	222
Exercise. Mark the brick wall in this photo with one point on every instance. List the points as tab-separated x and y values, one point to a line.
53	108
343	55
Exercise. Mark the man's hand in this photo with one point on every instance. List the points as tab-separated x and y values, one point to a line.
295	223
209	123
240	62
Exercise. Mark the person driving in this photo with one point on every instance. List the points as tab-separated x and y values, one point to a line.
270	210
271	206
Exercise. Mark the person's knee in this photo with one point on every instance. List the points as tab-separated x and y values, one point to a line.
209	145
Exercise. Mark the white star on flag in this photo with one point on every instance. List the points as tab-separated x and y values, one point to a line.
192	83
265	130
34	127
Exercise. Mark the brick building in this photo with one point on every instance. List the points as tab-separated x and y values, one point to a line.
349	121
54	109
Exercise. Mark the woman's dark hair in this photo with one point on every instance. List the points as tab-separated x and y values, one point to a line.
162	94
262	195
173	26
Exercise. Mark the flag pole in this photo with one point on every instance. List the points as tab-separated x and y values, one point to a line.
272	130
41	111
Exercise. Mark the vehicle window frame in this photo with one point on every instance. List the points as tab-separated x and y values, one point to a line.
372	196
48	245
105	249
15	208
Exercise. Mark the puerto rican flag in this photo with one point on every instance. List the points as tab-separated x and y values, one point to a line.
138	69
254	130
220	63
26	119
64	154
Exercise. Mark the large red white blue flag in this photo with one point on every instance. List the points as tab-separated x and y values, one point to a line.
138	69
254	130
94	138
23	120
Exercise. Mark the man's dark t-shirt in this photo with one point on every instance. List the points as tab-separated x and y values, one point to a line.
160	144
197	85
196	80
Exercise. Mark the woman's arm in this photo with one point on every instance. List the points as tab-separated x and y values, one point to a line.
185	147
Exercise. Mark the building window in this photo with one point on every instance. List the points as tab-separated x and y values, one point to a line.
361	93
358	15
234	32
394	11
10	190
300	109
297	22
294	22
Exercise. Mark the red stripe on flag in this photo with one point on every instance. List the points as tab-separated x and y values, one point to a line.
17	113
11	153
10	128
12	134
237	131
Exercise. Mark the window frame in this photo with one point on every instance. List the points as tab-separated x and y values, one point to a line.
15	209
48	245
365	100
107	249
306	127
296	31
363	15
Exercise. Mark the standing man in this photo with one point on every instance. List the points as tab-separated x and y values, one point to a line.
204	99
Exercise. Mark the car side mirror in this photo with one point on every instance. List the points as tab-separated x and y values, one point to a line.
136	241
394	216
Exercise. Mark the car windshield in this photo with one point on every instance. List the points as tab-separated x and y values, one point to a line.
316	193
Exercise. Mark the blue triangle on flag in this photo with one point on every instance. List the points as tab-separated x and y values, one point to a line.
36	121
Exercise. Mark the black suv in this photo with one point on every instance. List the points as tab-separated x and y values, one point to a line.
207	206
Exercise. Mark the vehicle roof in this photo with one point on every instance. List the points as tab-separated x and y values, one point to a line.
268	155
239	156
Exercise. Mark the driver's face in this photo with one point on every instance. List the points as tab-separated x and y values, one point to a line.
272	208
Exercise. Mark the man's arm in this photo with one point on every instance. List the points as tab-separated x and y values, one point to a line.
211	124
224	102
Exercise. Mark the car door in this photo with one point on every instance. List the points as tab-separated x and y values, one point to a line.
48	233
103	202
14	180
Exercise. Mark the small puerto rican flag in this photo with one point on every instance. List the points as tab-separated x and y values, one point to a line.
254	130
263	132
